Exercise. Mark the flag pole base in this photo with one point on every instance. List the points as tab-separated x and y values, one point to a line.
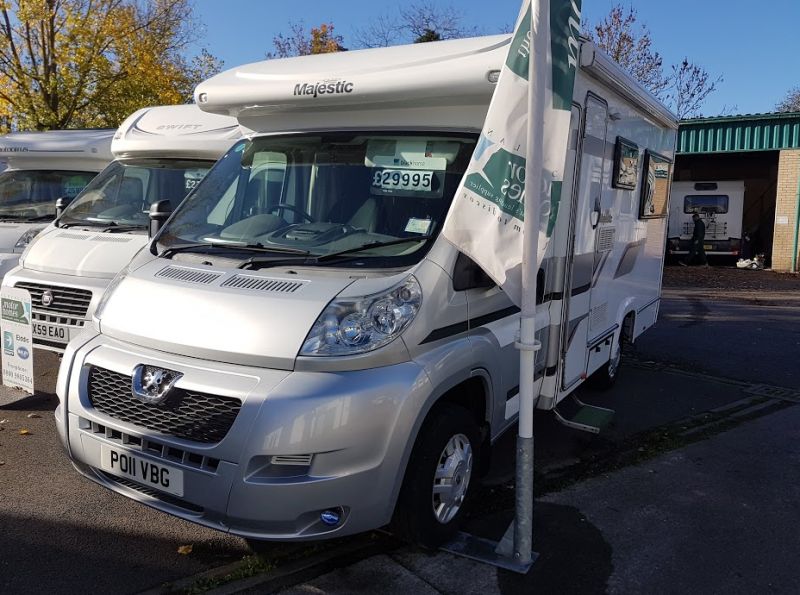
489	552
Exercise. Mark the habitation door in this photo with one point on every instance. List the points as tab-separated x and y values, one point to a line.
585	229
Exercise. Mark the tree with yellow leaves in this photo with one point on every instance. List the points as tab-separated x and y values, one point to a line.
299	42
90	63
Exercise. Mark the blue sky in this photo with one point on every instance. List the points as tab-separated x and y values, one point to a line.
754	46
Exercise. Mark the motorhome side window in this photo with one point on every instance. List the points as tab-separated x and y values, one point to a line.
379	196
626	164
655	189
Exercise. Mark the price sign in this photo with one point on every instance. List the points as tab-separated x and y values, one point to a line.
15	324
402	179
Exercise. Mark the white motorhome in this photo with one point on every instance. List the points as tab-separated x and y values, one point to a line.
299	354
161	154
721	208
39	168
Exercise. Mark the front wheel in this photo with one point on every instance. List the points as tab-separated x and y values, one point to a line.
439	480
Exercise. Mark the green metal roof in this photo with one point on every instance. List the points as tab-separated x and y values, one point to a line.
731	134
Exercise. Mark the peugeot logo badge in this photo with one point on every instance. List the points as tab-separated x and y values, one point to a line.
153	385
47	298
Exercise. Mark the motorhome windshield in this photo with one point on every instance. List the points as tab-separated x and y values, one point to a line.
123	192
379	197
706	203
31	194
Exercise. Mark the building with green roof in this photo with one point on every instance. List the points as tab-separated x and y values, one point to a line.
764	151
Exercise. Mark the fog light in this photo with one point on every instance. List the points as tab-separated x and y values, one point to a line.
331	517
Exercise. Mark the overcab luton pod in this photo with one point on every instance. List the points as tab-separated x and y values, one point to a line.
321	361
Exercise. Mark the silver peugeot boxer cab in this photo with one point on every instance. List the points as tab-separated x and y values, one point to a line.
298	354
160	154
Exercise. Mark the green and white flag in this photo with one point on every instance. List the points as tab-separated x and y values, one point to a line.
486	220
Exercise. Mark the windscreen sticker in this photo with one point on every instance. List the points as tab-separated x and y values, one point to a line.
408	160
420	226
192	177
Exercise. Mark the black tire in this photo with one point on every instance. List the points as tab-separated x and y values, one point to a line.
606	377
415	519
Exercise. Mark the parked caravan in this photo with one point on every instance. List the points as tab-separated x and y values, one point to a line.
161	154
721	208
39	168
308	357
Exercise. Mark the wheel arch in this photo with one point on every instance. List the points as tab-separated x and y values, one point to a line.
471	390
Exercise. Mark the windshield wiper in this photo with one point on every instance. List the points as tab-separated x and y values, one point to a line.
265	262
232	246
370	246
115	227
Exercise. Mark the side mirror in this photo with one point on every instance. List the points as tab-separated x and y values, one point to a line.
61	204
468	275
159	213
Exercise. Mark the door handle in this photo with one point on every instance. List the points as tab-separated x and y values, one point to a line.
595	216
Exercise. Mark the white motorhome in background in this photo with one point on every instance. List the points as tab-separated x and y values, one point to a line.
309	357
720	206
40	168
161	154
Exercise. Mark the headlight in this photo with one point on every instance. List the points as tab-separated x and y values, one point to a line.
27	237
351	326
98	312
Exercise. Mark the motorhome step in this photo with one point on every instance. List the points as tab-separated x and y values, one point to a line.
578	415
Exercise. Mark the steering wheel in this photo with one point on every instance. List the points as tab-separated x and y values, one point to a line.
293	209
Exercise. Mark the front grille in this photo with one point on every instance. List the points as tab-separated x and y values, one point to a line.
153	448
68	301
187	414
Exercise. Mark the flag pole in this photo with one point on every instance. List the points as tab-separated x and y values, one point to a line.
527	345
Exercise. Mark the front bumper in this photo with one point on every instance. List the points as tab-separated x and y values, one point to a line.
353	429
728	247
72	323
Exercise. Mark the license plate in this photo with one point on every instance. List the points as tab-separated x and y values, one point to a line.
708	247
124	463
51	332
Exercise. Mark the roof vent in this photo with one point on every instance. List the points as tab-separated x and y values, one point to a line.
188	275
254	283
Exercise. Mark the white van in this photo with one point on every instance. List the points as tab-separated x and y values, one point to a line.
40	168
161	154
299	355
720	206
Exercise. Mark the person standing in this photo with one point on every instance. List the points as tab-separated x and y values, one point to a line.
696	249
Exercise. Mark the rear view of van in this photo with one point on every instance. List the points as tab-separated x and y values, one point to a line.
721	208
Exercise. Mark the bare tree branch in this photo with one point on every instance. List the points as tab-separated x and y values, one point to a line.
690	85
790	103
684	88
416	22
